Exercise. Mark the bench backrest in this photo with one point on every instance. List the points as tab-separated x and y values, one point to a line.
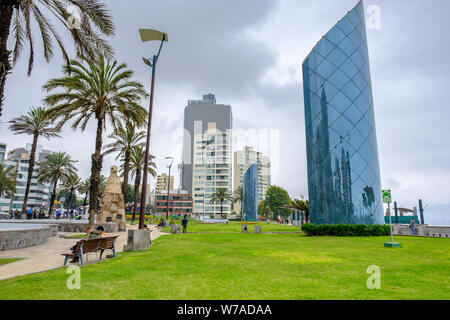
91	245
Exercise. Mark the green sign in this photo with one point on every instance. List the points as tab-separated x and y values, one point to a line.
386	195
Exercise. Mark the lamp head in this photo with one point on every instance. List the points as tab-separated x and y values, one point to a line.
152	35
147	62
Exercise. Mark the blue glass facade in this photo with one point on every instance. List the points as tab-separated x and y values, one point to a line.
342	153
251	193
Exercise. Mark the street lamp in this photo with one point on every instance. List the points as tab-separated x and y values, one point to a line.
149	35
168	187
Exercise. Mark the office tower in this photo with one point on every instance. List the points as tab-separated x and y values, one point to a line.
207	152
162	182
243	159
251	193
342	153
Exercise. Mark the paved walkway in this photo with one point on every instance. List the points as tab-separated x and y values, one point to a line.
47	256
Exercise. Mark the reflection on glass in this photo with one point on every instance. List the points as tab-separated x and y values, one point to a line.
251	193
343	169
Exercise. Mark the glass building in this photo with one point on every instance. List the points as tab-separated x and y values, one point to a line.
251	193
342	154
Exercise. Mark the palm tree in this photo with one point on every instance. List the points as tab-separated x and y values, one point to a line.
71	184
220	196
137	161
36	124
102	90
84	189
16	17
302	205
126	139
58	166
239	197
7	183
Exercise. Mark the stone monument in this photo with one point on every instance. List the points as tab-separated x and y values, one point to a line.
112	204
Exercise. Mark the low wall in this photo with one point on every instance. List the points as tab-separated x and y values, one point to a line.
66	225
423	230
18	236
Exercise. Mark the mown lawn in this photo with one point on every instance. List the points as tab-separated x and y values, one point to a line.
194	227
7	260
254	266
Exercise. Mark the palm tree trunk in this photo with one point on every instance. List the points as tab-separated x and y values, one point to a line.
70	201
6	9
30	173
136	191
52	199
126	169
96	168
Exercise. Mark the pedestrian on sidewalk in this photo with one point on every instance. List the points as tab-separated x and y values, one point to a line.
412	226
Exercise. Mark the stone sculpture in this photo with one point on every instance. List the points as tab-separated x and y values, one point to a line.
112	203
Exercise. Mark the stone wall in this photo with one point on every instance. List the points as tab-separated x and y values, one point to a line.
423	230
18	239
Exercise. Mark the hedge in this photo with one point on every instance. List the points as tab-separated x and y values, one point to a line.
346	230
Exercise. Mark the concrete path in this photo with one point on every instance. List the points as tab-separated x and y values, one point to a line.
47	256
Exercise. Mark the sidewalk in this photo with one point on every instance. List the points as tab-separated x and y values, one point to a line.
47	256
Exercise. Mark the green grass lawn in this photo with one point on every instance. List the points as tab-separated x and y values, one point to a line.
235	227
254	266
4	261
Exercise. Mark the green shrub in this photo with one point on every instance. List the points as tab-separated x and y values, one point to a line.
346	230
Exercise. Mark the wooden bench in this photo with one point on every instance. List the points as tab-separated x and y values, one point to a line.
86	246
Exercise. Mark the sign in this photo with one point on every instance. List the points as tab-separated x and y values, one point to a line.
62	199
386	195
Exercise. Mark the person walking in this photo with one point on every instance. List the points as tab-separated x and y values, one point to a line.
184	222
412	226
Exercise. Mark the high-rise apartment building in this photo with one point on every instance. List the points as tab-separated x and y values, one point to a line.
342	153
243	159
39	193
207	148
162	182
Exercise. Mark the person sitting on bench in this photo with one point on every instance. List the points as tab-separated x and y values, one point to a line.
161	224
100	232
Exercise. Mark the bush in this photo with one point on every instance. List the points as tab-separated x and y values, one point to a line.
346	230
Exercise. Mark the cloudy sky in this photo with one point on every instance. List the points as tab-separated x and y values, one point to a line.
249	54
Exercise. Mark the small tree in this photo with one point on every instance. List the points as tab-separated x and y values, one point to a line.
276	197
220	196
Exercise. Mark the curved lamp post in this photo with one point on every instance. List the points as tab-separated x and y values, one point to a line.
168	187
149	35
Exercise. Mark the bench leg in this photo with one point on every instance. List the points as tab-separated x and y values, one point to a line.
65	260
81	259
114	250
101	253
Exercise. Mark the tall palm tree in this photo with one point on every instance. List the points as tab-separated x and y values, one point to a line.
58	166
71	184
126	139
137	161
302	205
7	183
102	90
220	196
16	17
84	189
36	124
239	197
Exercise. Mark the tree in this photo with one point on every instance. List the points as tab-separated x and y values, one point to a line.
101	187
220	195
84	189
264	211
126	139
16	15
137	161
102	90
302	205
58	166
7	183
36	124
239	197
71	184
276	197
